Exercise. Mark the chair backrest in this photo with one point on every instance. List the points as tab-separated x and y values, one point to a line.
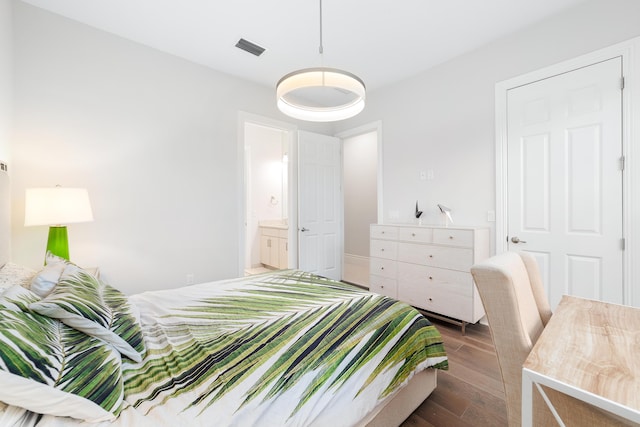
517	311
537	287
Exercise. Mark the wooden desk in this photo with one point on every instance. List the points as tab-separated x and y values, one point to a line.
589	350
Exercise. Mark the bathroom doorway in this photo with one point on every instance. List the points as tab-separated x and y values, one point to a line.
266	150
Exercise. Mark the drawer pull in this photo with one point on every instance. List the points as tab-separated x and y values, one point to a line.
381	268
430	277
413	234
451	237
430	299
381	286
382	250
430	256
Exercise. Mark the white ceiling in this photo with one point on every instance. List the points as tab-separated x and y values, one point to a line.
381	41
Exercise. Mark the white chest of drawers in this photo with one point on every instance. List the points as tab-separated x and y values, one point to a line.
428	267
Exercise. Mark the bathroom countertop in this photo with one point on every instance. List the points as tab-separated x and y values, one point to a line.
281	224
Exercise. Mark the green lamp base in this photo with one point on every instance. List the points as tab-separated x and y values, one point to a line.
58	243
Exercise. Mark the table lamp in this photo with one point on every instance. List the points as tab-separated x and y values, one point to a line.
56	207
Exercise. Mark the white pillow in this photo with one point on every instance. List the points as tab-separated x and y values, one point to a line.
17	298
43	283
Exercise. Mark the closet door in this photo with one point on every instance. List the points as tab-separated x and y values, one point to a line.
564	185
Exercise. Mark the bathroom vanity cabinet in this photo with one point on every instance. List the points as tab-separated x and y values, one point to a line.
274	246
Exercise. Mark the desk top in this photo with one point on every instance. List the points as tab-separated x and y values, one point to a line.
593	346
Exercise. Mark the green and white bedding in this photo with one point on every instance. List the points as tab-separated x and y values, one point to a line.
280	349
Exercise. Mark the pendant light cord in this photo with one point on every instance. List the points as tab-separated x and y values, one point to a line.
321	48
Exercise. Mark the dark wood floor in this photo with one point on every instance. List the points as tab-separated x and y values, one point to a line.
470	393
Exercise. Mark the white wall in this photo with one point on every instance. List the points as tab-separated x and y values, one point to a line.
360	160
443	119
6	106
151	136
6	73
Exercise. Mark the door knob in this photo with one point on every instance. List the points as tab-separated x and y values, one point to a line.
304	229
515	239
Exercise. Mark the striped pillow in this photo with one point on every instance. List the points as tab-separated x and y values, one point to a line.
49	368
87	304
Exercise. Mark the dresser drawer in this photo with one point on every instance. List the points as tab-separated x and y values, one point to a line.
453	237
443	301
387	232
383	249
450	298
382	267
424	276
437	256
383	286
415	234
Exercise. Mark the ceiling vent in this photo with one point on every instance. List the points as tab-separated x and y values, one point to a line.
252	48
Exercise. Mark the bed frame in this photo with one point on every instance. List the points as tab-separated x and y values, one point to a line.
391	412
398	407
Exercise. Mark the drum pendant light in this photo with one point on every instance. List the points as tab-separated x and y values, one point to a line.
320	94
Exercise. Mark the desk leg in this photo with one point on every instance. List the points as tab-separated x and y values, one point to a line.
527	400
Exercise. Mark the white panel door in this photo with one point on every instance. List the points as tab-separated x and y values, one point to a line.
319	204
565	180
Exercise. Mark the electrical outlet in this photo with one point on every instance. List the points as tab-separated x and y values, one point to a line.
190	279
423	175
430	175
491	216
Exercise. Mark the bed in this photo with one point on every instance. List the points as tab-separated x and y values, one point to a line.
286	348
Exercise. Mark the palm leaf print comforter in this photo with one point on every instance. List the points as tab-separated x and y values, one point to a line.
279	349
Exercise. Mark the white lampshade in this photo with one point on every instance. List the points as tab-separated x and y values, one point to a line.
56	206
320	94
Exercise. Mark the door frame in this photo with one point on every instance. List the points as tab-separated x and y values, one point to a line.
292	189
630	149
